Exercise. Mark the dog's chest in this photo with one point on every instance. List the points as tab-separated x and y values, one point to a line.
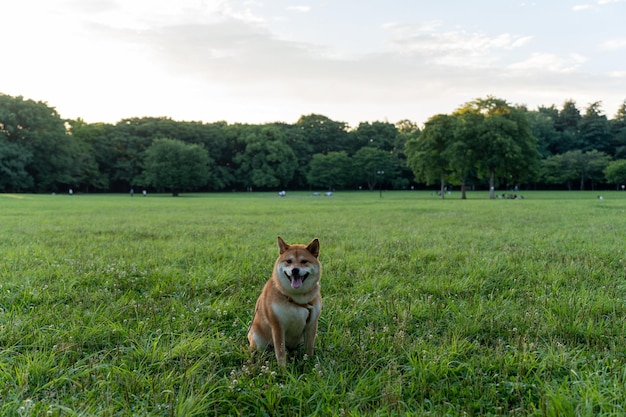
293	318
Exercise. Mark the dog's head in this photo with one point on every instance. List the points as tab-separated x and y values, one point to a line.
297	266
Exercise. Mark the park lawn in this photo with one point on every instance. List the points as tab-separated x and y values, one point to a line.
112	305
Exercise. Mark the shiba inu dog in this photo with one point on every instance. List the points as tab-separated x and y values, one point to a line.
290	304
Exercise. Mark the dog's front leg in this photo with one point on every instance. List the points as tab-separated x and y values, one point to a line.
309	337
278	338
310	330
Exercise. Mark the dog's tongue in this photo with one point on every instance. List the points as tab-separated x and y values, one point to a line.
296	282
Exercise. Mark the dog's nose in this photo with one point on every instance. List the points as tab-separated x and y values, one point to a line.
295	272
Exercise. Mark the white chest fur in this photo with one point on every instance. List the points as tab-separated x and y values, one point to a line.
294	319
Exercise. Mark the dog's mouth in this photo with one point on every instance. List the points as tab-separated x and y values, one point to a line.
296	279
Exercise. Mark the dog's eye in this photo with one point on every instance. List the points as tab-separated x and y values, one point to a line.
288	261
304	262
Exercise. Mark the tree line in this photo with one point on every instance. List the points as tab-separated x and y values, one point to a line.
484	143
487	141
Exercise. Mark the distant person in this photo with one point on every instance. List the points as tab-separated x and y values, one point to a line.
144	192
132	192
71	192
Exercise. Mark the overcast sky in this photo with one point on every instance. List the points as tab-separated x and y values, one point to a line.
354	61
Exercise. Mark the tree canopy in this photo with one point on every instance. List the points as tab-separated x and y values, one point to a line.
487	137
486	143
428	155
176	166
36	149
503	142
615	173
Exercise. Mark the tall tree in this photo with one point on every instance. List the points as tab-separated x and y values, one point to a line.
427	155
542	127
37	131
595	130
94	154
375	166
176	166
14	159
551	112
615	173
213	137
128	157
505	146
462	149
586	166
407	130
383	136
303	151
618	130
324	134
595	164
267	161
569	117
558	169
380	135
567	124
330	171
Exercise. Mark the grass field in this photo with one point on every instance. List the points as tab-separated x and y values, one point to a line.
116	306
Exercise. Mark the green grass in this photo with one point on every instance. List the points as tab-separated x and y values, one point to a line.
112	305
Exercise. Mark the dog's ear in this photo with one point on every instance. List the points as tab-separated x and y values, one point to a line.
314	247
282	245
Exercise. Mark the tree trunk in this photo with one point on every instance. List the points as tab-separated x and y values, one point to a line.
492	188
463	196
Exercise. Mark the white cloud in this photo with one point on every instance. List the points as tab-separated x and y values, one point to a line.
403	29
522	41
549	62
299	9
453	48
581	7
614	44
